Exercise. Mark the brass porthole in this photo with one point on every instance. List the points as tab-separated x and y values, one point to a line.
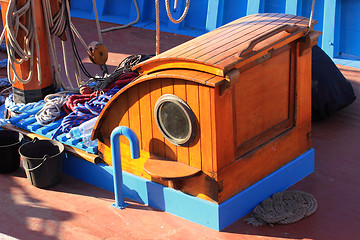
175	119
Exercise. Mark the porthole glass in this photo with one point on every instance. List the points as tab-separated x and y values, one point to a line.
175	119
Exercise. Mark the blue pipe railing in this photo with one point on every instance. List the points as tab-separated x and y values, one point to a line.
116	159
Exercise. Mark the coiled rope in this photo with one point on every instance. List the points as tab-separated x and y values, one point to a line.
20	107
284	207
52	108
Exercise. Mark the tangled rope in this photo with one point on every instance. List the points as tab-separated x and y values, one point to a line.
124	67
283	208
90	109
52	108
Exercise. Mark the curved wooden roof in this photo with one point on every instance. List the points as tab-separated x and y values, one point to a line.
183	74
218	51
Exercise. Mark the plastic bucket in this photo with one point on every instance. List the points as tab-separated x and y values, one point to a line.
10	141
42	161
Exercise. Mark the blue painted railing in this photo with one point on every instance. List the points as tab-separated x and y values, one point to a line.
116	159
337	19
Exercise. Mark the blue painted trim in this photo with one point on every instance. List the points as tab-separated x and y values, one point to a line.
291	7
212	13
283	178
192	208
328	37
253	7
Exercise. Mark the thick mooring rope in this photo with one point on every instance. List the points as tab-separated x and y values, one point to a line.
283	208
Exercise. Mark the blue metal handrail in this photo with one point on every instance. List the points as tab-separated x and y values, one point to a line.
116	159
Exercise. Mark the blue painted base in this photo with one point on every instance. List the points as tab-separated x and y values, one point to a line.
192	208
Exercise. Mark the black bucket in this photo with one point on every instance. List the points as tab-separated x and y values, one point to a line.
42	161
10	141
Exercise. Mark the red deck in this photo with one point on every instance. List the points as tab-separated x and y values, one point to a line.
76	210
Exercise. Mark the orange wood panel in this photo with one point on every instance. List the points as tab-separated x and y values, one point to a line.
213	93
258	164
225	128
134	111
192	89
180	91
261	97
157	143
205	129
146	113
170	148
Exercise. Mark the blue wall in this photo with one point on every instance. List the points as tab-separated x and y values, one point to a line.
337	19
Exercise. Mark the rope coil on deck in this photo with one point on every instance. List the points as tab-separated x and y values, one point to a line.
20	107
283	208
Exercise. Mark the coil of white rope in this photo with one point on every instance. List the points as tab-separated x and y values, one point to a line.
52	108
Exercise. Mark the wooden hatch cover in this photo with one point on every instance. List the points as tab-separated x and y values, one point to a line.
220	50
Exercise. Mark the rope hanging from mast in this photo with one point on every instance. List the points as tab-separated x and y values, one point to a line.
14	50
157	51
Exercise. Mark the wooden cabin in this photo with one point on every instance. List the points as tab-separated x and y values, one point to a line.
220	112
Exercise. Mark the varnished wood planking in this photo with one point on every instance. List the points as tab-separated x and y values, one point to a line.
196	43
145	115
232	60
123	114
157	143
206	129
216	56
192	89
180	91
134	111
230	34
170	148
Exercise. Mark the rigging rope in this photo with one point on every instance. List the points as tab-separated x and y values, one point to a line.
14	50
157	38
311	17
182	16
128	24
